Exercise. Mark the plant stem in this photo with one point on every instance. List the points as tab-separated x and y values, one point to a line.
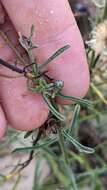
9	43
16	183
105	11
62	146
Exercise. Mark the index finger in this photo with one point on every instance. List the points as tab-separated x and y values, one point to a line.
55	27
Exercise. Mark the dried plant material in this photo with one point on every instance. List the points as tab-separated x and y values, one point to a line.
39	82
99	3
98	41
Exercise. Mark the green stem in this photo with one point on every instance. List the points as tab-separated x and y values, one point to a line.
16	183
62	146
73	185
105	11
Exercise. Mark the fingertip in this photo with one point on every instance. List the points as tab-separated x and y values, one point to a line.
71	66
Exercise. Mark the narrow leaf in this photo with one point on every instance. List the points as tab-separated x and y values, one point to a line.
53	110
80	147
74	119
37	146
32	31
28	134
83	102
56	54
99	94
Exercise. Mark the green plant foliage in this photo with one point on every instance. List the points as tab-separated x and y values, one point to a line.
73	139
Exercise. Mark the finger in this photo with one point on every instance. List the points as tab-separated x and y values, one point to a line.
2	14
2	123
55	27
24	110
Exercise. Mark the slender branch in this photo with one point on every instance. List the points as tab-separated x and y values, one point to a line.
62	146
105	11
4	36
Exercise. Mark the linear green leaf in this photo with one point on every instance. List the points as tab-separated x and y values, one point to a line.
80	147
28	134
56	54
74	119
52	109
26	149
83	102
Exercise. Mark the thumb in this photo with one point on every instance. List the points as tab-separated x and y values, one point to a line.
55	27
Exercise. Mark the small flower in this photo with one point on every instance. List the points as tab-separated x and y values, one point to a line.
99	39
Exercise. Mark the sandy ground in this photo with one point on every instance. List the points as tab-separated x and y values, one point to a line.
25	182
27	177
7	160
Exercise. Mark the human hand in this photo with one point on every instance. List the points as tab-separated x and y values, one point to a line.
55	27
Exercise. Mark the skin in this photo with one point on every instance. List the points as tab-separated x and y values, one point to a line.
54	28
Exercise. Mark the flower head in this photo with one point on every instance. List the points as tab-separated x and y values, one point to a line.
99	39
